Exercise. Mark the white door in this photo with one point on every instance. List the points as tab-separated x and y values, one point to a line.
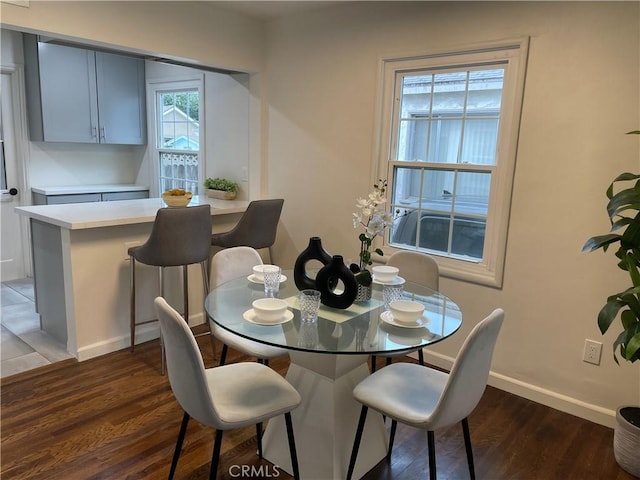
12	249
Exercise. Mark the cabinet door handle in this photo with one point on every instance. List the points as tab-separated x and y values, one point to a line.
102	133
94	132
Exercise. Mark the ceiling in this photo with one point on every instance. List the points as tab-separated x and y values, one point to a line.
269	10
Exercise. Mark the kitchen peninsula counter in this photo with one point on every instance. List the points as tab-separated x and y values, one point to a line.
81	270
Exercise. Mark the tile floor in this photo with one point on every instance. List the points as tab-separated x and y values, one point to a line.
23	346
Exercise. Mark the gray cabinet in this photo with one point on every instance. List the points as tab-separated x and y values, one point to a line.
78	95
42	199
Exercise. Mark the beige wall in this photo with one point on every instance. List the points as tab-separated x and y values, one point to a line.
320	73
581	95
198	31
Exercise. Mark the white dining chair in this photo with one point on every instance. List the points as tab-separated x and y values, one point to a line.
429	399
415	267
228	264
228	397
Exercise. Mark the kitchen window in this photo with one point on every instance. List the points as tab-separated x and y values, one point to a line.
178	145
451	122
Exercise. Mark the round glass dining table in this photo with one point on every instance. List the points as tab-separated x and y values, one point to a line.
328	359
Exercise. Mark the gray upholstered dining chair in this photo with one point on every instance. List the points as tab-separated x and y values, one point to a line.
256	228
415	267
227	264
429	399
179	237
228	397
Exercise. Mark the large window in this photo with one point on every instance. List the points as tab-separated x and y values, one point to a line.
178	145
452	122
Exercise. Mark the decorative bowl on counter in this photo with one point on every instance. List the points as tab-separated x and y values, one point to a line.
177	197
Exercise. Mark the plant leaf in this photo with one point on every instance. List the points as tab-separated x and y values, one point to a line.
621	222
608	313
601	241
623	200
633	347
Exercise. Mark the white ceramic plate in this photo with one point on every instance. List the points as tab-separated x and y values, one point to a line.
395	281
250	316
252	278
387	317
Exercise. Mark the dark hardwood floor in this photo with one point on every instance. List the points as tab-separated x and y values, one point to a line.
114	417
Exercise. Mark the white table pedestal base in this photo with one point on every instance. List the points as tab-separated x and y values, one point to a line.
325	422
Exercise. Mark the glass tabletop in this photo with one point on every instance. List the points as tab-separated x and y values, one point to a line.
364	327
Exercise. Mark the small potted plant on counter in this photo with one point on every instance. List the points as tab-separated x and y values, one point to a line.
221	188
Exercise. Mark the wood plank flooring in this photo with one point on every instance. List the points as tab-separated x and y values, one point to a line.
114	417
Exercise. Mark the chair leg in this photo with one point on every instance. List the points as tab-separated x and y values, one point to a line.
162	353
421	357
223	354
270	254
266	362
392	436
292	446
431	444
467	445
215	457
389	360
356	442
373	363
176	452
185	292
205	283
132	296
259	439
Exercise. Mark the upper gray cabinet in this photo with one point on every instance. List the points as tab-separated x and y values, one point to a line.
78	95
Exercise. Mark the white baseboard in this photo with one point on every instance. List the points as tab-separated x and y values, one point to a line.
144	333
563	403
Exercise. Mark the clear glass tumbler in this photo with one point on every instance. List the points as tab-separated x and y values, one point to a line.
391	293
309	301
271	280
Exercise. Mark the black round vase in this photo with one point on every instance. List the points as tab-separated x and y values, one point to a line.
328	277
314	251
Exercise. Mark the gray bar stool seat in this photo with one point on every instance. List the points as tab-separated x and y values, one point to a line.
256	228
179	237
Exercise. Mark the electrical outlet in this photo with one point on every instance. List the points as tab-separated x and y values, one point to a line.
127	246
592	352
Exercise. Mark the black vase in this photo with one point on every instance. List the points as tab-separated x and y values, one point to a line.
314	251
328	277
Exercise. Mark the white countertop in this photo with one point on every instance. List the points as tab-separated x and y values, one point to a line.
77	189
78	216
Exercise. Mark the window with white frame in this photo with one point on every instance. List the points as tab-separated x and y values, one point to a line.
451	123
178	145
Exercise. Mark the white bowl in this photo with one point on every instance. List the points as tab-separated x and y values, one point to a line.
258	272
269	309
385	273
406	311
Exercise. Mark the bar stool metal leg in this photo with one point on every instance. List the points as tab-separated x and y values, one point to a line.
205	281
132	296
163	360
185	292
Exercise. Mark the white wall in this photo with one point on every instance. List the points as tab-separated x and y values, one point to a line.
581	95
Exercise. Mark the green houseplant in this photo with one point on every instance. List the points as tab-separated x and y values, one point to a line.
623	209
221	188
